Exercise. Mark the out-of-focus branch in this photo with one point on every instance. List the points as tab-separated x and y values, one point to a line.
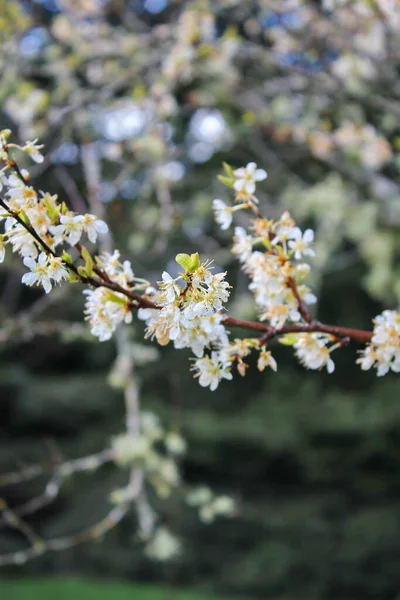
14	521
72	190
58	475
167	213
145	514
96	531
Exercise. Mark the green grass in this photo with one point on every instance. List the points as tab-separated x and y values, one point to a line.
80	589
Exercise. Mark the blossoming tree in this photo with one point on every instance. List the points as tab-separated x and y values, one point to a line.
189	309
59	245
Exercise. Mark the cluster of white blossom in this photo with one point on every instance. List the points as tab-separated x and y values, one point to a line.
163	546
243	181
155	450
53	223
105	308
313	352
209	505
38	227
189	313
188	309
46	268
281	242
212	369
271	254
271	269
384	351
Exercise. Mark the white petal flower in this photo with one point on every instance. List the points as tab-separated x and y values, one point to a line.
266	359
247	187
243	245
56	269
383	353
13	181
163	546
210	371
170	288
70	229
110	262
190	317
299	243
223	213
105	312
368	358
39	272
312	351
20	239
32	148
246	178
20	197
94	227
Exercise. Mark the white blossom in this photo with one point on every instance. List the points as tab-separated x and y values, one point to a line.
189	317
105	310
312	351
163	546
70	229
39	218
21	197
20	239
56	269
40	273
223	213
246	178
211	371
32	148
170	288
299	243
111	263
94	227
266	359
121	273
284	229
175	444
243	245
383	353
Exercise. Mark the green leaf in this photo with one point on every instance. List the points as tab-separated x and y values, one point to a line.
188	263
82	271
66	257
289	339
183	261
88	260
51	207
266	243
24	217
195	262
228	170
118	299
226	180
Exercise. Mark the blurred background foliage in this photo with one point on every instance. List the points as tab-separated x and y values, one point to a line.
138	103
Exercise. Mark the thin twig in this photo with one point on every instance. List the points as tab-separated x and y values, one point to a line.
302	307
53	486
